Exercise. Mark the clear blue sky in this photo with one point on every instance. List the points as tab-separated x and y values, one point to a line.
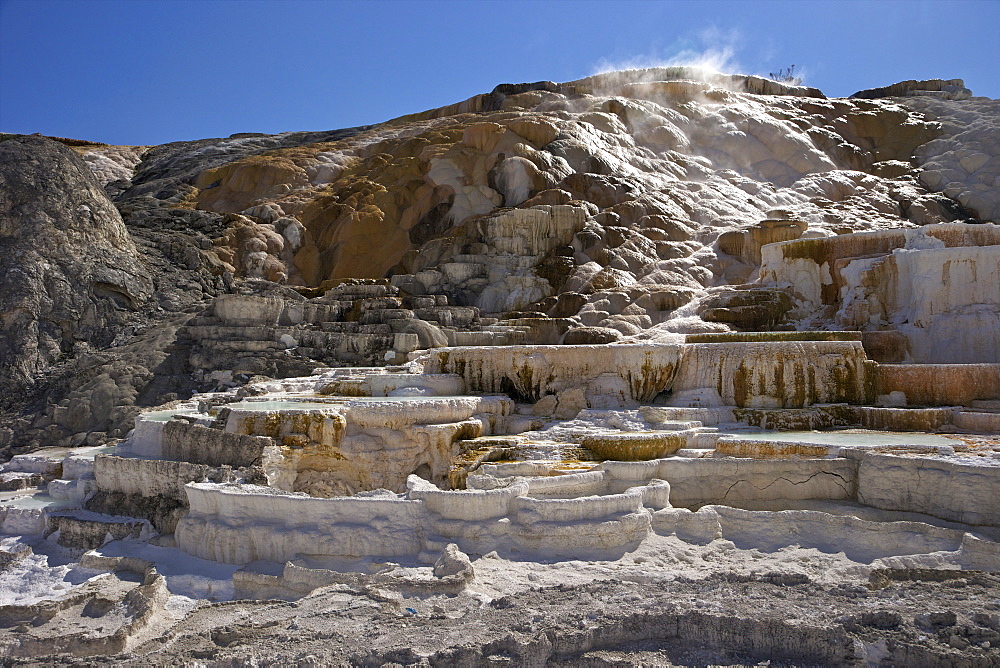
149	71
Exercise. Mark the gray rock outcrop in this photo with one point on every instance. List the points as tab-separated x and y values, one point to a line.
72	275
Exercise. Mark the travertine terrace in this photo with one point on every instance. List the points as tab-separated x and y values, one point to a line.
552	344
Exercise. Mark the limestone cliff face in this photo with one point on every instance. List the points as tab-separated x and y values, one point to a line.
627	205
72	274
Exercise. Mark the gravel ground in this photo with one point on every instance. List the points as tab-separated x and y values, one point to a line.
669	603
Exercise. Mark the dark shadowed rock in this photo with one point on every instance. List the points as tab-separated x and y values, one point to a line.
591	335
756	309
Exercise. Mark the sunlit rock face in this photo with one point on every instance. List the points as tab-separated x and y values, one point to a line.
364	445
936	286
788	375
625	206
659	159
654	185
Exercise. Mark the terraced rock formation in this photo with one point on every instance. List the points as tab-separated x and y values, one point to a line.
710	345
616	206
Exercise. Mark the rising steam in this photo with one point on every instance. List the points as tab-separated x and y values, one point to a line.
714	55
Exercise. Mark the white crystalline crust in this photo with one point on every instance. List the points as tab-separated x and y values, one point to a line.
827	507
614	509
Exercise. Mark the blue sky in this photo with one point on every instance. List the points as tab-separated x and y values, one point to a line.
149	72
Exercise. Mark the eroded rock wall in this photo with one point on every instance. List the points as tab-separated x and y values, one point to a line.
621	205
940	384
936	287
627	373
773	375
211	447
782	374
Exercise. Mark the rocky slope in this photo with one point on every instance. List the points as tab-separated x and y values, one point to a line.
672	603
621	205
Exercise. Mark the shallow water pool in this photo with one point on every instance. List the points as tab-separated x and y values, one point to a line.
279	405
36	500
293	404
165	416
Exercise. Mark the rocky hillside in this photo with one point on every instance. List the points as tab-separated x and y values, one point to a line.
625	205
